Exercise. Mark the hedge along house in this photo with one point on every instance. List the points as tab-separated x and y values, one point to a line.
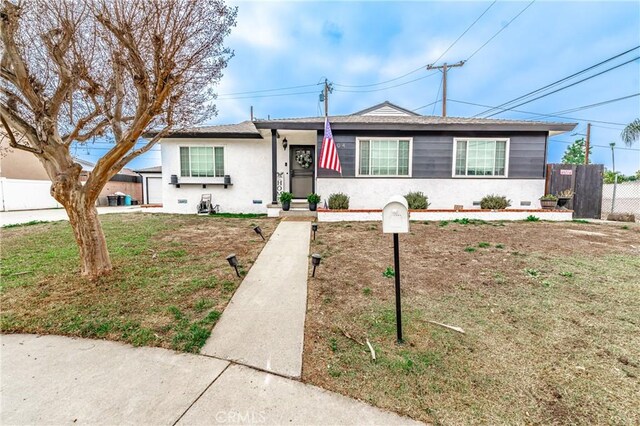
384	150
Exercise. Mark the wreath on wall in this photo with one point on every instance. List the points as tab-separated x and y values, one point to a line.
304	158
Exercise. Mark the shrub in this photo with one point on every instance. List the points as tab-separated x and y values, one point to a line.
549	197
313	198
532	218
417	200
286	197
338	201
494	202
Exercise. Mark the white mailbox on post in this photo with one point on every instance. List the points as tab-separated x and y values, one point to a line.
395	216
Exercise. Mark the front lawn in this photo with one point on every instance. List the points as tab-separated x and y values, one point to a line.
169	285
551	314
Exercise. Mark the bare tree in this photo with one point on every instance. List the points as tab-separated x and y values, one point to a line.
75	69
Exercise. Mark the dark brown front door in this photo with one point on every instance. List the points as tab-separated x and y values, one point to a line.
301	170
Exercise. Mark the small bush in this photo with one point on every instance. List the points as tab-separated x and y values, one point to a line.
494	202
338	201
532	218
417	200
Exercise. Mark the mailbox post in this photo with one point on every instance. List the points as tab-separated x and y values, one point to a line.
395	220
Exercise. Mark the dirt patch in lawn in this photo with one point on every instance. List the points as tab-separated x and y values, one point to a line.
170	282
550	315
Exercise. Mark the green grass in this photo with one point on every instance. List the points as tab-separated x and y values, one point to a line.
168	287
18	225
469	249
238	215
389	272
484	245
583	221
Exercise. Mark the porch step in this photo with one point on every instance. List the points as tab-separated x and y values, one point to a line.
298	212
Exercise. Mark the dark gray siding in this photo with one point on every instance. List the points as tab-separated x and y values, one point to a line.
433	152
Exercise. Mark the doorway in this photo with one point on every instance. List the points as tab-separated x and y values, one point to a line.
301	170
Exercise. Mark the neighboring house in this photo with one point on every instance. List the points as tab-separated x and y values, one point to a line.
151	185
25	185
384	150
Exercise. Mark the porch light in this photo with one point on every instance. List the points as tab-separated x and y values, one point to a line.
315	261
285	143
233	261
314	228
259	231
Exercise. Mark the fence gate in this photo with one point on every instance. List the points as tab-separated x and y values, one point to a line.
586	183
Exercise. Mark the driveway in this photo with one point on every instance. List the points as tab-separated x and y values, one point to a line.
52	215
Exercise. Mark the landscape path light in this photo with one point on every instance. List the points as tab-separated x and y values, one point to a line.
259	231
315	261
314	228
233	261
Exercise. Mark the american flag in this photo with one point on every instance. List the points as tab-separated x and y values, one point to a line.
329	156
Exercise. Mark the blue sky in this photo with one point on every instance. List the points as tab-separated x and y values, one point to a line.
286	44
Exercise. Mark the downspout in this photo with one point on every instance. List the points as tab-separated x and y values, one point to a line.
274	166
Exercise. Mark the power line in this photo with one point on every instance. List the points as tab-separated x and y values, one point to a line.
559	81
597	146
501	29
427	105
266	96
465	31
388	87
269	90
568	111
420	67
566	87
540	114
433	112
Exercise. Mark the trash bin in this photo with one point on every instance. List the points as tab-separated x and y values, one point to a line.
127	200
120	200
112	200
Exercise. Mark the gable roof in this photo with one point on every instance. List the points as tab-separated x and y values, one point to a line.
386	108
243	130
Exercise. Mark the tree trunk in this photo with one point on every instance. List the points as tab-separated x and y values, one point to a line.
87	229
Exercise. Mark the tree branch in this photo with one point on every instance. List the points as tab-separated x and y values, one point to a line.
13	143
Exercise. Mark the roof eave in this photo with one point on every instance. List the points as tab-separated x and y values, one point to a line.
211	135
556	128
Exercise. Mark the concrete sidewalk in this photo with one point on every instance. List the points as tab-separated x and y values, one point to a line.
263	324
59	380
52	215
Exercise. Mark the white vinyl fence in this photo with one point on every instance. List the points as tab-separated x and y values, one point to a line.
22	194
627	198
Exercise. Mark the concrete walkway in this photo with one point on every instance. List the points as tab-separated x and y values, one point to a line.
58	380
263	325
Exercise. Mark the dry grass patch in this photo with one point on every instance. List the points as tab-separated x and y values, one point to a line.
170	282
551	321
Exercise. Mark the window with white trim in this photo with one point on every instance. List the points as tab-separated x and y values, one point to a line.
383	157
201	161
480	157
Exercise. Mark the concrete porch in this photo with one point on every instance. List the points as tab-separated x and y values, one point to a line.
299	208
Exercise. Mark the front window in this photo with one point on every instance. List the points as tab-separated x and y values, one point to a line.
480	157
383	157
201	161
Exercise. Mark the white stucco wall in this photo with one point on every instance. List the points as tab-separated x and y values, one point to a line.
372	193
247	161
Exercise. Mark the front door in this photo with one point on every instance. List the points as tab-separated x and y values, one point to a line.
301	170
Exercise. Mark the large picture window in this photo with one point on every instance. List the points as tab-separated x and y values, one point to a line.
384	157
480	157
201	161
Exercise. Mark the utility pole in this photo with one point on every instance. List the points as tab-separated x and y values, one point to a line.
444	67
328	88
586	154
615	176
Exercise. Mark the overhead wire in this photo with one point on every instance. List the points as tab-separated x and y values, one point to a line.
540	114
533	92
500	30
565	87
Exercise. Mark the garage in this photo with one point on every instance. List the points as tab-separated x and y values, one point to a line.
151	185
